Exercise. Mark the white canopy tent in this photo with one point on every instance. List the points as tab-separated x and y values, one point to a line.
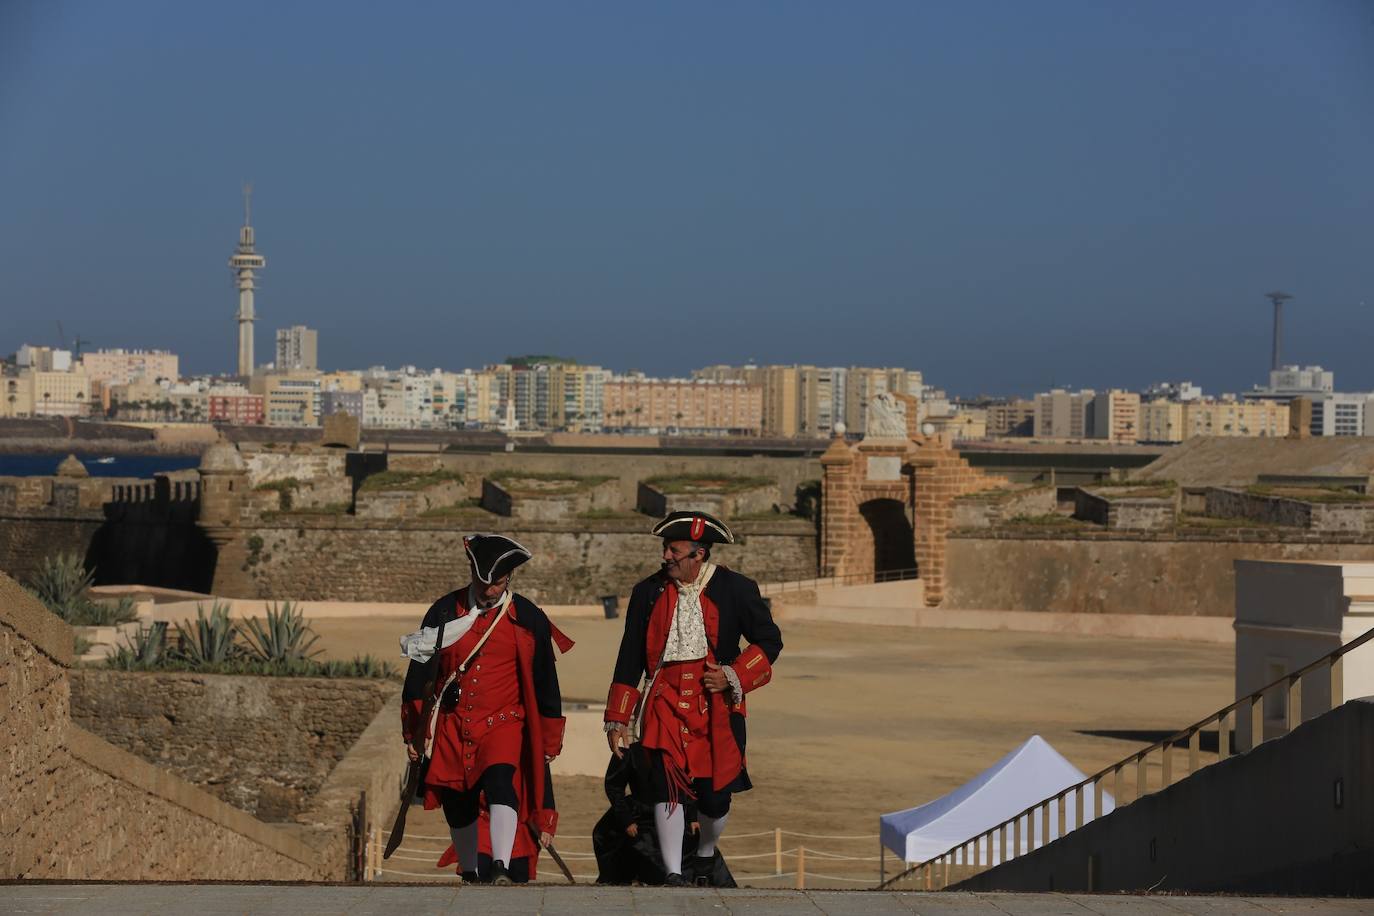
1030	774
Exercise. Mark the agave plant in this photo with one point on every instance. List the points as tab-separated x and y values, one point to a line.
144	649
100	614
61	584
285	637
207	640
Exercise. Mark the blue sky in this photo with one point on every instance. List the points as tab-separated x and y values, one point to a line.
1004	195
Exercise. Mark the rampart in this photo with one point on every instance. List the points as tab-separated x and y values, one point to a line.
1094	571
258	525
127	529
77	807
263	744
346	558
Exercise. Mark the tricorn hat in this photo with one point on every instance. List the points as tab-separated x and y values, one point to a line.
493	555
693	526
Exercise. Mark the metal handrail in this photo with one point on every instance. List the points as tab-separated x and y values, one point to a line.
938	868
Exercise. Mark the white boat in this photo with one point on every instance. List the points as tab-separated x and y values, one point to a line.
108	459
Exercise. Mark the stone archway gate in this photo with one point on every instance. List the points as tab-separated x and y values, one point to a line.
924	473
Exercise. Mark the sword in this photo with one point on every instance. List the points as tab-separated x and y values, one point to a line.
553	854
398	829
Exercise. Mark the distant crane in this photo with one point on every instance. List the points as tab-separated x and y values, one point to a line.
1278	299
77	342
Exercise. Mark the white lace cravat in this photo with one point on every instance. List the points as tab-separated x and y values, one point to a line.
687	636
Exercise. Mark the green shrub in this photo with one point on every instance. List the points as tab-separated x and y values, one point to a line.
144	650
407	480
210	645
207	640
63	584
284	637
285	489
715	483
808	500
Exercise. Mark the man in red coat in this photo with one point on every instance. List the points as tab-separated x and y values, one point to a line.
682	637
493	718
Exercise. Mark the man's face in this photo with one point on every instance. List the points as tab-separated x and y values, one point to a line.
681	560
488	595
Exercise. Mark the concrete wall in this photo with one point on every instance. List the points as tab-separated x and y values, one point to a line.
76	807
1266	822
353	559
264	745
1119	572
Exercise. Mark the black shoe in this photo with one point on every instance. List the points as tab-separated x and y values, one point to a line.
674	880
499	875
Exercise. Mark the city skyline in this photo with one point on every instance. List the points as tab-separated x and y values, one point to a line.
1008	199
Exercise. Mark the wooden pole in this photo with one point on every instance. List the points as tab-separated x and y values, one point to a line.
777	850
801	868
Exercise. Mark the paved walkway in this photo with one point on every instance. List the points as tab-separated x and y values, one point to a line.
119	899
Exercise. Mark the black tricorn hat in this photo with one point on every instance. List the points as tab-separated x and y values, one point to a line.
693	526
493	555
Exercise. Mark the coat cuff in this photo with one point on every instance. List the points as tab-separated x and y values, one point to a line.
548	820
411	713
620	703
553	735
752	668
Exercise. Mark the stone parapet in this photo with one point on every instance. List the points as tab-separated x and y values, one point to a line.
265	745
1096	571
75	807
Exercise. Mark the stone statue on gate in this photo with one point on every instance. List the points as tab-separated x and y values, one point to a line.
886	418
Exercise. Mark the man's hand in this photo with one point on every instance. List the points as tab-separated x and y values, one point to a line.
412	753
632	830
545	839
618	739
695	827
714	679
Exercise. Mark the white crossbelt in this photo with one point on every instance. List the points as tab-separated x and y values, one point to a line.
459	671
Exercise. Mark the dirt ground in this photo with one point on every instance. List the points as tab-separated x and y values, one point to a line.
859	721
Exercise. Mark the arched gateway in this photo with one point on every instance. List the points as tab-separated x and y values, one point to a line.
886	501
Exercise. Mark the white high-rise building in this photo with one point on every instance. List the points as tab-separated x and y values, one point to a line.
297	348
243	262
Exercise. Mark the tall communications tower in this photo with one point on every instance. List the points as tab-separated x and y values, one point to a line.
1278	299
244	261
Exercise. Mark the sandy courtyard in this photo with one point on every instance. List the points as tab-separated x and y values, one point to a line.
859	721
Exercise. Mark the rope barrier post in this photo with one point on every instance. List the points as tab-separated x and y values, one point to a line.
801	868
777	850
882	862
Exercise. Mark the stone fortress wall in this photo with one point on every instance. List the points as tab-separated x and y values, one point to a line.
304	521
263	744
77	807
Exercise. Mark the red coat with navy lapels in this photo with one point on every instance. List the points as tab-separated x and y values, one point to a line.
732	610
512	678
